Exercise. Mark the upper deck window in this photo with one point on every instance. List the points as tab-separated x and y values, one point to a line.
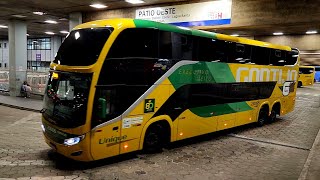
82	47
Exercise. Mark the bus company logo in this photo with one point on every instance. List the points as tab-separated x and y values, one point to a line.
264	74
288	87
149	105
112	139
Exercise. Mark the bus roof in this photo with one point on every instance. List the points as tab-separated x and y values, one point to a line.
307	67
130	23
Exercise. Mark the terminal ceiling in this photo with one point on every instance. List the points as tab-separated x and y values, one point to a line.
59	10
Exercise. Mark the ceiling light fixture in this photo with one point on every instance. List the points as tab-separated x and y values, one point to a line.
311	32
98	6
278	33
39	13
50	33
19	16
135	1
235	35
64	32
3	26
51	21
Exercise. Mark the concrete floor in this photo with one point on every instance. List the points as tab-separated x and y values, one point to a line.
285	149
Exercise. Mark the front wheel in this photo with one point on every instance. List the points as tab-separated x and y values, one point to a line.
299	84
153	140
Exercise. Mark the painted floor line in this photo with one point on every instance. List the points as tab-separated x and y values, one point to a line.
268	142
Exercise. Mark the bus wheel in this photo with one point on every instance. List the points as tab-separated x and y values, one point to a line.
273	116
299	84
263	117
153	140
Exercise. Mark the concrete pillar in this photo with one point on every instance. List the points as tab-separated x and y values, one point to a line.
17	56
55	44
74	19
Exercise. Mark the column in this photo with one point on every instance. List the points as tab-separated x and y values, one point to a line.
74	19
17	56
55	44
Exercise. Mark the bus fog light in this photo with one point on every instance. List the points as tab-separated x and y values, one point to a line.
73	141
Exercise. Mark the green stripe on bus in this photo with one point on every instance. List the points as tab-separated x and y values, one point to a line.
221	109
201	72
166	27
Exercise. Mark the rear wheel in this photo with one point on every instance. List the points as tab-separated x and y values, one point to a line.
299	84
273	116
263	117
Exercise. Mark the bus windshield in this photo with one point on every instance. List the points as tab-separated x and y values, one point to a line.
82	47
65	100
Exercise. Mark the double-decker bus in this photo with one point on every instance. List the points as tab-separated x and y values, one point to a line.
306	76
122	85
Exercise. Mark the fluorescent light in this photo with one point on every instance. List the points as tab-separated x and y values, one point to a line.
135	1
51	21
39	13
19	16
278	33
98	6
236	35
311	32
50	33
64	32
3	26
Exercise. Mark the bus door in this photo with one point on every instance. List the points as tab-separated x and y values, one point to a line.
106	122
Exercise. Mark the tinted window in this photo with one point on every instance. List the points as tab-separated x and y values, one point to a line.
135	43
277	57
210	50
239	53
260	55
133	71
82	47
306	70
292	57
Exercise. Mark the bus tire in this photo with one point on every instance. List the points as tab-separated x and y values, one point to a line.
263	117
155	138
299	84
273	116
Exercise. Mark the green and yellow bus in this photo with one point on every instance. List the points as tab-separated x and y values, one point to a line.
122	85
306	76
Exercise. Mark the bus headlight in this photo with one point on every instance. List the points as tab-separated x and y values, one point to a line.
73	141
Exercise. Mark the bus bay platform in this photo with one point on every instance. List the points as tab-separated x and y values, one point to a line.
286	149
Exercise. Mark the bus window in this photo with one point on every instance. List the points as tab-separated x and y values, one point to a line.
292	57
239	53
135	43
82	47
260	55
210	50
277	57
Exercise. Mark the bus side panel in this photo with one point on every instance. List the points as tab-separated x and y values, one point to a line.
133	124
105	141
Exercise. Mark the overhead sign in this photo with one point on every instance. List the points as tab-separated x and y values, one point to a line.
196	14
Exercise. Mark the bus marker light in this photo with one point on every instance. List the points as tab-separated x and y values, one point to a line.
281	111
249	118
126	146
181	134
225	124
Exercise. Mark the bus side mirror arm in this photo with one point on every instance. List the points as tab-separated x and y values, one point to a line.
102	108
